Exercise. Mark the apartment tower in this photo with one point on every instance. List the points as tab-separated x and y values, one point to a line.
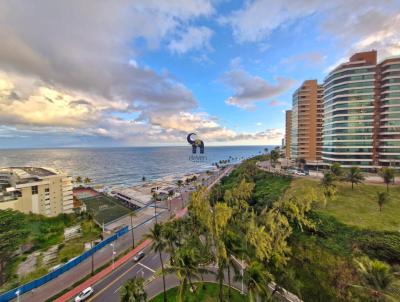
307	126
288	133
36	190
362	112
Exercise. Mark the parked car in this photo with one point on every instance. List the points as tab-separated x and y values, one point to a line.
300	173
139	256
86	293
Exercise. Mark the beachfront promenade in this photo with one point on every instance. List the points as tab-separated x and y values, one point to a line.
104	256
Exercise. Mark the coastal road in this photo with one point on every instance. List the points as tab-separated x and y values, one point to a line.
149	268
104	255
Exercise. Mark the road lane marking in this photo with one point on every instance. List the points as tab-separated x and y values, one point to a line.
145	266
112	283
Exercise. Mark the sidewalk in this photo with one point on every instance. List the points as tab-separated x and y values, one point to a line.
175	203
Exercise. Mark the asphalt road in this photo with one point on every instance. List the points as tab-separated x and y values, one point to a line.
149	267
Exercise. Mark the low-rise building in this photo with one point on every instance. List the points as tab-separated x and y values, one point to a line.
35	190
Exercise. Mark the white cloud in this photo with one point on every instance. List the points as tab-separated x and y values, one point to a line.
193	38
250	89
363	24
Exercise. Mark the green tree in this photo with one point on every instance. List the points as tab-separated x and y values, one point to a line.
388	175
354	176
158	245
78	180
377	278
337	170
133	291
187	267
328	180
12	234
382	198
87	181
256	279
274	155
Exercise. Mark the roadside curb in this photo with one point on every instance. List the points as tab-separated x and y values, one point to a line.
102	274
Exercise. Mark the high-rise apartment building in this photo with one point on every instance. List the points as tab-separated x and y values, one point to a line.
288	133
362	112
307	113
35	190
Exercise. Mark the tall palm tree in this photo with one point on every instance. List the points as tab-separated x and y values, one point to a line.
382	198
87	180
186	266
179	183
132	214
355	176
78	180
256	279
133	290
158	245
377	278
328	180
388	175
337	170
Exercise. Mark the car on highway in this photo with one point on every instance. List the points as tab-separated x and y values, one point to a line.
86	293
138	256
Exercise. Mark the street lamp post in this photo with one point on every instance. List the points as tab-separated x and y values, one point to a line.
113	254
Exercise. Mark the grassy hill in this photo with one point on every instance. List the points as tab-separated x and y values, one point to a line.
357	207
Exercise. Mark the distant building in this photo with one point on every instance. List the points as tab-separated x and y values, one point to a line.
36	190
288	132
362	112
307	122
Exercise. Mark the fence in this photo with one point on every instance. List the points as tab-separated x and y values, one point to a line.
7	296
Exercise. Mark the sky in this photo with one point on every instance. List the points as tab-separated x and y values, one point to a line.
146	73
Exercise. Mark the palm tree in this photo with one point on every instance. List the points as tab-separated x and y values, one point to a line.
133	290
87	180
328	179
186	266
337	170
158	245
132	214
179	183
78	180
256	279
388	175
354	176
377	278
382	198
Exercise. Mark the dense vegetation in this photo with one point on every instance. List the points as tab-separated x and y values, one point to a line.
208	292
21	234
325	260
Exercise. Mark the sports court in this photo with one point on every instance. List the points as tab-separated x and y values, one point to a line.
104	208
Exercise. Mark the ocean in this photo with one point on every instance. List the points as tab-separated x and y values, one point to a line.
124	166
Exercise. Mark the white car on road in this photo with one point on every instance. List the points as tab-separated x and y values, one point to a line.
86	293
